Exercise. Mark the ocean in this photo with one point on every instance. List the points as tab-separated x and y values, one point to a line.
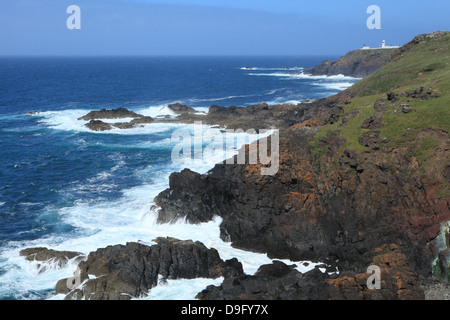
65	187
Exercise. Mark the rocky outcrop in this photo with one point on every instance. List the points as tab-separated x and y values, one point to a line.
49	257
98	125
280	281
276	281
122	272
397	280
435	288
358	63
179	108
95	124
118	113
260	116
322	203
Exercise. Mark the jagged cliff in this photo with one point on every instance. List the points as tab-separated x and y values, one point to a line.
357	63
376	173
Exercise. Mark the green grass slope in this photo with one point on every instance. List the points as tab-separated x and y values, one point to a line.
410	97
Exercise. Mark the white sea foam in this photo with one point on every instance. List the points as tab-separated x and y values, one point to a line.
217	99
262	68
180	289
67	120
157	111
282	100
302	75
334	85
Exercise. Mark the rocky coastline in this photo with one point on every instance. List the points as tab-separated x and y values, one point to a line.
351	205
357	64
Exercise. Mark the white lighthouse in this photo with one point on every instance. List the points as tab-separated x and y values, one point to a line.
383	46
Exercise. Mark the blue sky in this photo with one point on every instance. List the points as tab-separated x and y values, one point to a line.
212	27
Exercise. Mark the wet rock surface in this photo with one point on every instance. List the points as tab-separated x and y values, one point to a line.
49	258
42	254
122	272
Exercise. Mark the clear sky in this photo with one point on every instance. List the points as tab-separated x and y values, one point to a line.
212	27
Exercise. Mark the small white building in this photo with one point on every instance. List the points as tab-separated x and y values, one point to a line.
383	46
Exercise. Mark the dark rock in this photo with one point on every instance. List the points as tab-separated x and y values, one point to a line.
406	108
414	42
435	288
123	125
277	269
380	105
423	93
279	282
110	114
197	209
98	125
143	120
50	256
317	206
131	270
392	96
133	123
373	122
371	139
262	116
444	262
358	64
179	108
232	268
335	114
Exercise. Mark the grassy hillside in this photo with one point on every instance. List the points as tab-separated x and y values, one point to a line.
406	104
422	64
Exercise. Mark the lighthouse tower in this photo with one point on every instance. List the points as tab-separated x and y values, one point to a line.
383	44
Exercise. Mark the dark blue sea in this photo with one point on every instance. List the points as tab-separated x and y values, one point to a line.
66	188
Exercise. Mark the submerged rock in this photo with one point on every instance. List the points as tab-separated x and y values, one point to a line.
110	114
50	257
181	108
98	125
95	124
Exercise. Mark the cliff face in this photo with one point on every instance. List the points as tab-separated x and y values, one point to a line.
340	206
374	174
357	63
